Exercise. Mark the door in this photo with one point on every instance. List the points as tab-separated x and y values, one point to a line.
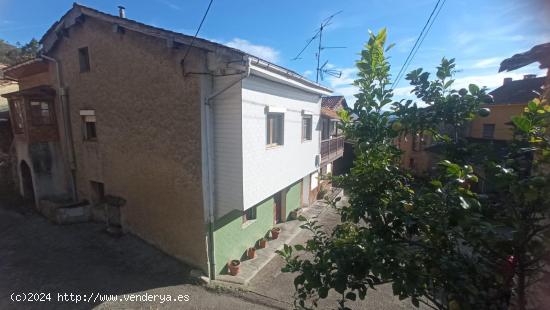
278	207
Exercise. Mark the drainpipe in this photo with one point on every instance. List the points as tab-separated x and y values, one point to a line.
210	167
66	124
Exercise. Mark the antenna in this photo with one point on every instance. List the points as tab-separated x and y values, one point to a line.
319	35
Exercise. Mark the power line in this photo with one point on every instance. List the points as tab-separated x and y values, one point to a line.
425	34
197	33
416	44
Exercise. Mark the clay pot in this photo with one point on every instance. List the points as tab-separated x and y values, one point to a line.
251	253
275	232
234	267
263	243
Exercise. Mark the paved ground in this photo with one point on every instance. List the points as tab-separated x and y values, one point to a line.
273	283
39	257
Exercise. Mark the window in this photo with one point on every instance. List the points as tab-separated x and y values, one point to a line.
41	113
249	214
307	123
325	132
84	59
275	129
18	124
98	192
488	131
88	125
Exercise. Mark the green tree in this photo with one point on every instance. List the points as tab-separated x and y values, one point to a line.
435	239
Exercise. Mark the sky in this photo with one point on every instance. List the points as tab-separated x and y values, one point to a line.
479	34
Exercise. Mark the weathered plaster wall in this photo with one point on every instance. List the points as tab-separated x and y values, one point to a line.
500	116
148	148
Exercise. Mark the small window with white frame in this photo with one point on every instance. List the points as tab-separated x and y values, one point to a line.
249	214
307	124
275	129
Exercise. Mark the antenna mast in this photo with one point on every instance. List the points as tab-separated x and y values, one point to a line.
319	35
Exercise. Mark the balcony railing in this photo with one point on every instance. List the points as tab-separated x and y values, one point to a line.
332	149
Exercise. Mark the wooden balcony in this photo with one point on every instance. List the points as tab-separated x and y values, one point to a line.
332	149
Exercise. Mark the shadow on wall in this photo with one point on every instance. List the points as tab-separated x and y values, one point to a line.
79	259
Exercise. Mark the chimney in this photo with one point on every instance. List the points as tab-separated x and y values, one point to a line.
529	76
507	80
121	11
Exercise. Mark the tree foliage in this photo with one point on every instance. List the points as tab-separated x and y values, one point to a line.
435	239
10	54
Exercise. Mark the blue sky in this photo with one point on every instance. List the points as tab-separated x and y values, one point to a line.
479	34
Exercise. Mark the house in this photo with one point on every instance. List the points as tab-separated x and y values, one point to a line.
6	136
419	152
332	140
209	147
508	100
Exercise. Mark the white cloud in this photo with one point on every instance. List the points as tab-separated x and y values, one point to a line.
487	62
265	52
308	73
343	85
492	81
171	5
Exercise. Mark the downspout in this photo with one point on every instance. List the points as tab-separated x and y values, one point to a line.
209	161
66	125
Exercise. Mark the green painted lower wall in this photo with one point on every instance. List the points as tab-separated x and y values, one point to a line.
293	197
232	238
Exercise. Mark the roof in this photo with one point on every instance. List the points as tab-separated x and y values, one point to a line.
539	53
329	113
518	91
334	102
75	14
25	68
42	90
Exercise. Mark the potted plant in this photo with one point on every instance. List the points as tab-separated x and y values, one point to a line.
293	214
275	231
263	243
251	253
234	267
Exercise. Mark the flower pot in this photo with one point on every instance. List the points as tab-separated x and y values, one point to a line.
275	232
234	267
263	243
251	253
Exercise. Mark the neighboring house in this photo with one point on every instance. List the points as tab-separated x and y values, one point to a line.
419	152
508	100
208	151
6	135
332	140
415	153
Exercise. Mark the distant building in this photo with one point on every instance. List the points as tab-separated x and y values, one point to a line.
332	140
508	100
419	152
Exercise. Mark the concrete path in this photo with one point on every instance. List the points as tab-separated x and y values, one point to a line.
289	231
271	283
39	257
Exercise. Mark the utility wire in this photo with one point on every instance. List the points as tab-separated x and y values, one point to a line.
425	34
416	43
197	33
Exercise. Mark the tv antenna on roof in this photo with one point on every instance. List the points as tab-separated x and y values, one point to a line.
321	70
